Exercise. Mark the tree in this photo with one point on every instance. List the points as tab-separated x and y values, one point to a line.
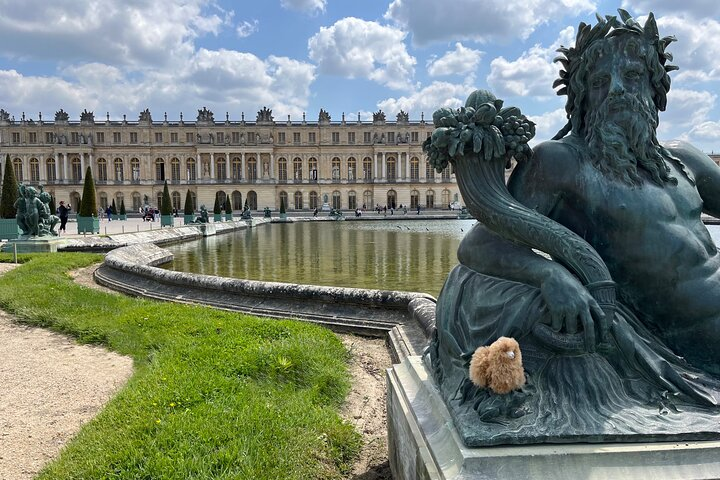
88	202
9	191
122	207
228	205
282	205
189	210
113	209
166	203
216	208
52	206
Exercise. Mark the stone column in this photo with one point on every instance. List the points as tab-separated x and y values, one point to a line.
212	166
228	173
384	166
43	168
271	169
65	167
242	166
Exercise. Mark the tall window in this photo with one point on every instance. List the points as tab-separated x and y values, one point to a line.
174	137
159	169
116	137
335	137
298	201
297	168
251	169
34	170
119	199
176	200
49	137
311	137
414	168
336	199
429	172
414	199
313	169
391	199
32	137
102	175
368	199
391	137
446	174
351	137
296	137
119	170
133	137
236	137
158	137
220	137
414	137
430	199
352	201
252	200
220	168
336	168
367	168
50	169
281	137
313	200
445	198
191	169
352	168
189	137
391	166
367	137
236	168
175	169
282	169
76	170
136	202
103	200
74	137
237	200
135	168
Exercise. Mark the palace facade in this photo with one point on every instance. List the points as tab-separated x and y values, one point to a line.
340	164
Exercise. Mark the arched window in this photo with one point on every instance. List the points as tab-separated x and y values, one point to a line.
367	169
119	198
175	169
283	198
414	199
220	168
119	170
298	201
352	168
135	169
391	169
222	196
336	199
237	168
391	199
282	169
313	169
102	175
368	199
75	201
191	169
159	169
414	168
137	202
251	170
445	198
158	200
429	199
76	170
50	169
336	168
313	200
297	168
17	166
34	170
352	200
237	200
176	200
252	200
103	200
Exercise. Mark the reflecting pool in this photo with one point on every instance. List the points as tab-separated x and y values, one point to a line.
410	255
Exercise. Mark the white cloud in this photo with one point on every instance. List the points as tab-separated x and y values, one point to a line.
709	131
697	8
356	48
685	110
547	124
696	52
245	29
307	6
479	20
429	99
460	61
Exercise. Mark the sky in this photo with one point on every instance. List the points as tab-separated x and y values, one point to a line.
351	57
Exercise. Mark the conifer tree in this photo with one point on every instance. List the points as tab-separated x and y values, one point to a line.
88	202
188	204
166	203
9	191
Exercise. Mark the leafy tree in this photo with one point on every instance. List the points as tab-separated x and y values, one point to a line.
216	208
88	202
228	205
282	205
166	203
122	207
188	204
9	191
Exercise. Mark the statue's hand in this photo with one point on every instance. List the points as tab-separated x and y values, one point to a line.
567	302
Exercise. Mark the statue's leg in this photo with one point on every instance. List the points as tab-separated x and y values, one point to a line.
698	344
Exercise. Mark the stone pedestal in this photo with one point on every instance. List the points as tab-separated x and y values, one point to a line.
423	444
33	245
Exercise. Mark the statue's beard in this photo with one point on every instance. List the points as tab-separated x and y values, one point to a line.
620	135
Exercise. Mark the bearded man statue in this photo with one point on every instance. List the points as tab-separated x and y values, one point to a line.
643	366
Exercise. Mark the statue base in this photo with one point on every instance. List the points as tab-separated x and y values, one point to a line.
207	229
424	444
33	245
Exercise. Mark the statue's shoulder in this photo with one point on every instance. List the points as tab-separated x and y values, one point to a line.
553	162
692	158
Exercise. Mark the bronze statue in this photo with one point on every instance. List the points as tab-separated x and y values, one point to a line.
594	257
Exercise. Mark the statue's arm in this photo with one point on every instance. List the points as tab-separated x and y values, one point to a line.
705	171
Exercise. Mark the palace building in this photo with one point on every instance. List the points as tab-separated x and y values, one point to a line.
343	164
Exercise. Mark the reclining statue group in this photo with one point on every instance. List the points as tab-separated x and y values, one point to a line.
33	214
593	256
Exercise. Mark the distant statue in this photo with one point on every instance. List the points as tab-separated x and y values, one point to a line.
264	116
61	116
618	319
4	116
403	117
48	220
203	217
145	116
324	116
246	213
205	115
379	117
87	117
29	208
267	213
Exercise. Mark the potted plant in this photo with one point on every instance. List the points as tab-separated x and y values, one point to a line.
217	211
123	213
166	214
114	211
228	209
9	229
87	219
188	213
283	215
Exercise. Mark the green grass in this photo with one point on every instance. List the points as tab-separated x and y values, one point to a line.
214	395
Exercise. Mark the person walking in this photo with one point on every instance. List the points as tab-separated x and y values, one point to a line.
63	212
108	212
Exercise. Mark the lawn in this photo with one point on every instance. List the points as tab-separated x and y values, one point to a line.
215	394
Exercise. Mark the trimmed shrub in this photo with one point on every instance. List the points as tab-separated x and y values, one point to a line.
88	202
188	204
282	205
166	204
228	205
216	208
122	207
9	191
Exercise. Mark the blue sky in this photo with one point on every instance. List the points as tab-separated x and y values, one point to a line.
298	56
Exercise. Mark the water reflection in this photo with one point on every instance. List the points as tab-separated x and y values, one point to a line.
402	255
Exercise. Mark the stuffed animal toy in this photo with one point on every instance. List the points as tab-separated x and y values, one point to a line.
498	366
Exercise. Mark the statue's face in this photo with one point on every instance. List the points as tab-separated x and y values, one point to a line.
619	72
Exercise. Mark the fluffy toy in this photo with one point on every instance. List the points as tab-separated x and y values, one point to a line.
498	366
